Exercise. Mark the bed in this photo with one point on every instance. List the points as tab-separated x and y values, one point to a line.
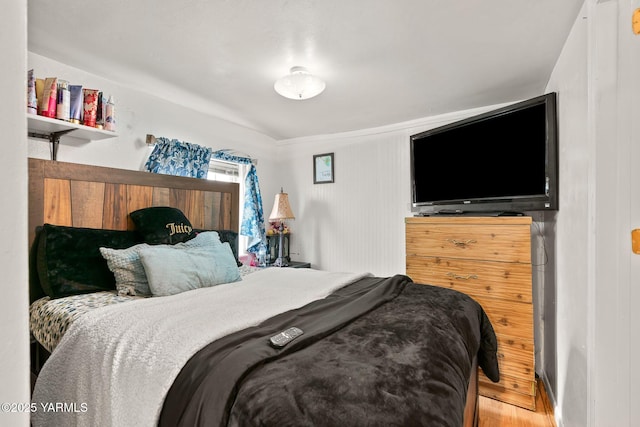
190	346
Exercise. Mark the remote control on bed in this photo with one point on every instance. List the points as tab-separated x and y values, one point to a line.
285	337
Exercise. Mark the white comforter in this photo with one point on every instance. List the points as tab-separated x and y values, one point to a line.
114	366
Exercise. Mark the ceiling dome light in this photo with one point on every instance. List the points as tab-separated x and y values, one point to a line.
299	84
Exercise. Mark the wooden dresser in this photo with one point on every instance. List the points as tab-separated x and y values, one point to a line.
488	258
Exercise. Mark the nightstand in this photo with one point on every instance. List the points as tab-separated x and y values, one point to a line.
297	264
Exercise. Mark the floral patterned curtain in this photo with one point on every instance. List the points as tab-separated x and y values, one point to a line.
173	157
252	224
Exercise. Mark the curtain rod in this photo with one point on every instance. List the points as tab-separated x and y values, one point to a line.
151	140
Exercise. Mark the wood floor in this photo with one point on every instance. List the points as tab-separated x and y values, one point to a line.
497	414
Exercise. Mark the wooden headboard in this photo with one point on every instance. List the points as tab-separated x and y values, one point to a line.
97	197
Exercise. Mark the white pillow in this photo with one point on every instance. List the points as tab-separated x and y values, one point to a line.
171	270
127	268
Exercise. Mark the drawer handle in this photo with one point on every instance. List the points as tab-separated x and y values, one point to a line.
460	277
461	243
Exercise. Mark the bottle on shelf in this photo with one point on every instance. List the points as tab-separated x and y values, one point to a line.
110	118
64	101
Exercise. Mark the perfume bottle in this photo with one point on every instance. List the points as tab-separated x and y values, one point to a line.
110	118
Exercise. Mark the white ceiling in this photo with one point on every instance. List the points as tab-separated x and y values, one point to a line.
384	61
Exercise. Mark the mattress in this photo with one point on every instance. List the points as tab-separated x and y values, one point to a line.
50	318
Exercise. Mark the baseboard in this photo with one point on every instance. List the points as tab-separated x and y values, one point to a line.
549	400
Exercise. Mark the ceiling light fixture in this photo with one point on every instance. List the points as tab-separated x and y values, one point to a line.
299	84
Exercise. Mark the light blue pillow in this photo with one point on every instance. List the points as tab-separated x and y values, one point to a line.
205	238
172	270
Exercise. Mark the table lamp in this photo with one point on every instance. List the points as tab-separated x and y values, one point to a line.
281	211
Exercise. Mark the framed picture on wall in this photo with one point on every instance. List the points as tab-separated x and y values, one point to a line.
323	168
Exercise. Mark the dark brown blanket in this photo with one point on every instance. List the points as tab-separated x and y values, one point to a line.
383	351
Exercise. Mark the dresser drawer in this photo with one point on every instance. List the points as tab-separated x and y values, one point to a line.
516	357
509	281
517	383
505	243
514	391
509	318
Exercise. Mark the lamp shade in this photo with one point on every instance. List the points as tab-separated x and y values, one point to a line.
299	84
281	208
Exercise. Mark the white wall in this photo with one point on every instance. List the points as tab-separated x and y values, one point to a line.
566	358
14	330
630	45
614	56
597	341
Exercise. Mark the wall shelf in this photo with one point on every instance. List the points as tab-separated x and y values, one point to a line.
52	129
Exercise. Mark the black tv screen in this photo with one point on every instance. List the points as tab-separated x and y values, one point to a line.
500	161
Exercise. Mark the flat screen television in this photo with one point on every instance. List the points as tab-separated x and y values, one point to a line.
500	162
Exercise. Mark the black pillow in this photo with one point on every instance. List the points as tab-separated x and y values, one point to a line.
35	289
162	225
227	236
69	262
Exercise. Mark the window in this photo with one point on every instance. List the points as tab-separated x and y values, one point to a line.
223	171
220	170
